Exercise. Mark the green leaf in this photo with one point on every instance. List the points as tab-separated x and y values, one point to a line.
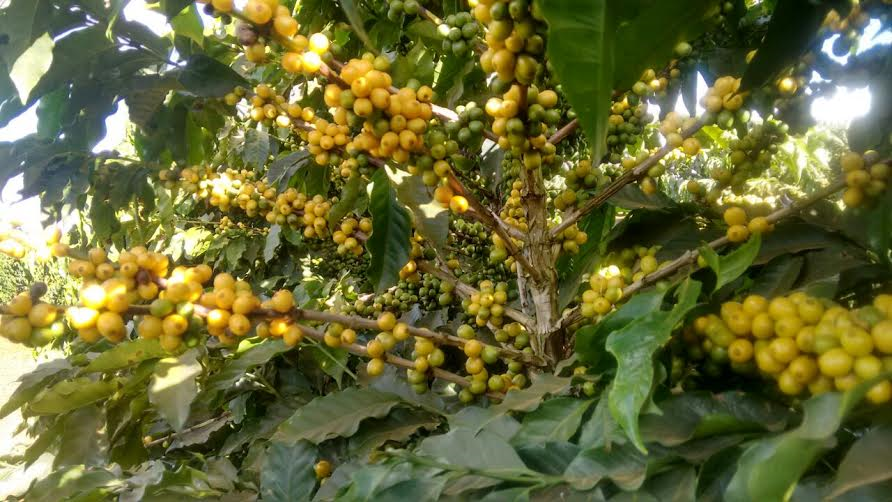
665	25
769	468
601	430
431	219
676	485
413	489
778	276
700	414
391	229
32	383
256	149
125	355
174	387
83	439
70	395
194	141
551	458
330	360
285	166
246	359
622	464
633	347
235	249
464	448
417	64
794	26
173	7
188	24
288	471
734	264
556	420
355	18
347	202
273	239
590	339
398	426
30	67
335	415
475	418
866	462
71	482
205	76
21	22
580	48
528	399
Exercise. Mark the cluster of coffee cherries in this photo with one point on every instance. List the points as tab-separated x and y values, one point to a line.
289	207
327	138
396	9
513	212
866	177
395	123
392	332
468	129
673	125
14	242
269	107
801	342
750	157
104	301
514	44
647	183
27	320
487	306
459	32
229	304
571	238
613	274
628	113
584	176
741	226
526	139
480	355
269	19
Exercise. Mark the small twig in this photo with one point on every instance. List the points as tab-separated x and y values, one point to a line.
563	132
174	435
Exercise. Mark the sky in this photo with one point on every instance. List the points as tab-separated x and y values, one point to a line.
838	110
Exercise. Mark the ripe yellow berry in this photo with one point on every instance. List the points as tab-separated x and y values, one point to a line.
738	233
174	325
386	321
282	301
292	336
735	216
20	305
111	325
834	363
149	327
42	315
375	367
239	324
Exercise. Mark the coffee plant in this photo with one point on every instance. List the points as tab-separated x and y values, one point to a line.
461	250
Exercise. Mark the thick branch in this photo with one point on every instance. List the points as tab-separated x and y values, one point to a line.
563	132
359	350
690	256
